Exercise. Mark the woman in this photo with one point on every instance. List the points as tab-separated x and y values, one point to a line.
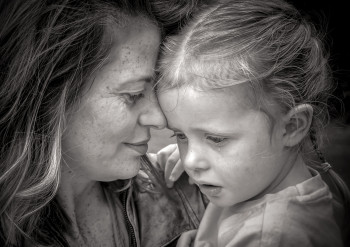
77	105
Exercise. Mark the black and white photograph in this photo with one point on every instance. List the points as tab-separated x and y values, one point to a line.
174	123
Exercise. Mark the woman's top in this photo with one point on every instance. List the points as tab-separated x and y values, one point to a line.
300	215
155	219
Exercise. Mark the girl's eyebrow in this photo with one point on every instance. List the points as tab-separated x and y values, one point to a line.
172	128
208	131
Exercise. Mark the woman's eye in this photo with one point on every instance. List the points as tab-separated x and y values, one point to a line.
216	139
133	98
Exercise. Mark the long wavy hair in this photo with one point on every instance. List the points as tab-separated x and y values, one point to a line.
49	49
268	44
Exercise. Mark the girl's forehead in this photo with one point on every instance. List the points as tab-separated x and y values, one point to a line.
239	95
213	73
210	111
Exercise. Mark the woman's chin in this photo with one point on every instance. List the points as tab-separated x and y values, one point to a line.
122	174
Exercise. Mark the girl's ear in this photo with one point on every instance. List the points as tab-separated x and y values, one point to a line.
296	124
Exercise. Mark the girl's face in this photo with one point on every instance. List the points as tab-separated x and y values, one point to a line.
107	134
226	146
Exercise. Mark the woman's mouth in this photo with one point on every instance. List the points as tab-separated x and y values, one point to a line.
140	147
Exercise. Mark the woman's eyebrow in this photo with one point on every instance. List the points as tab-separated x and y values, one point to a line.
135	83
138	80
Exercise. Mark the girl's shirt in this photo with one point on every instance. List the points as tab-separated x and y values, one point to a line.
300	215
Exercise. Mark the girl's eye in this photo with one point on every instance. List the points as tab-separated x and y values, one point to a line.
132	98
179	136
216	139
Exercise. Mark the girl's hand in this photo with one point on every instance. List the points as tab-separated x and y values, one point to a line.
169	160
187	239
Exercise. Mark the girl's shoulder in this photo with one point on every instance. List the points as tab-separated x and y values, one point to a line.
299	215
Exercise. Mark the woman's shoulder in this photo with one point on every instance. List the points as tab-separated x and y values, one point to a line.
160	211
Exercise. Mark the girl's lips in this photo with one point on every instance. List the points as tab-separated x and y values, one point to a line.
210	190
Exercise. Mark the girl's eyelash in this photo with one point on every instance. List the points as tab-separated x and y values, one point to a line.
215	139
178	136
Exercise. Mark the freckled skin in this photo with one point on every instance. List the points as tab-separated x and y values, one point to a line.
93	143
96	141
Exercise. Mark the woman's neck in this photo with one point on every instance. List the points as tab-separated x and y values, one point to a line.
74	189
86	205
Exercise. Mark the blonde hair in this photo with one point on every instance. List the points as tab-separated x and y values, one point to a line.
267	44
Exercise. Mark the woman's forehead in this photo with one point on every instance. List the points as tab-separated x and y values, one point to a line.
120	33
131	59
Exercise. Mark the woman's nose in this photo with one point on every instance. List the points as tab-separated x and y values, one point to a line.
152	115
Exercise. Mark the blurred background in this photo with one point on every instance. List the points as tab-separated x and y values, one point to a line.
333	17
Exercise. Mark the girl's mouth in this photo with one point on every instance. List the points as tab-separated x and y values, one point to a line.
210	190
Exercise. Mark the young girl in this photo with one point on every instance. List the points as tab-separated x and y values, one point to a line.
244	87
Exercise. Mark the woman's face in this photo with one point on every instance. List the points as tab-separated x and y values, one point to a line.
105	137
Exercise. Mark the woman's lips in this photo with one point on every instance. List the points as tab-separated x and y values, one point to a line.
140	148
210	190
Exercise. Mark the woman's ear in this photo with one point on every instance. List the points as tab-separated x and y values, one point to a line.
296	124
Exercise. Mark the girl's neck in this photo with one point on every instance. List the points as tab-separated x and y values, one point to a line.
294	172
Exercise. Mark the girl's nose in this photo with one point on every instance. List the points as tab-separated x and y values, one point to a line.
194	159
151	115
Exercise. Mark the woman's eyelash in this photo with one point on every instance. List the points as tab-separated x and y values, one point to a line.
132	98
135	97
